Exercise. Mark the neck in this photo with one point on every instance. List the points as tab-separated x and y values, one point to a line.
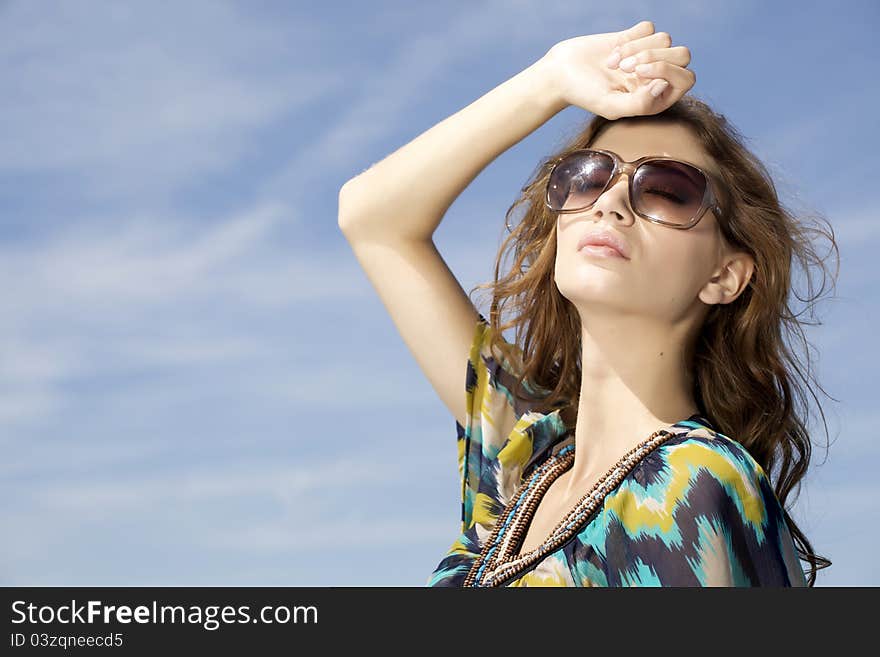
634	381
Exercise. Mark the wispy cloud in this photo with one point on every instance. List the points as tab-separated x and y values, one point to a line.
113	299
284	484
379	101
136	263
859	227
125	99
320	534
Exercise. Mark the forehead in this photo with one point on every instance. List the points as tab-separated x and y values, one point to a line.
634	139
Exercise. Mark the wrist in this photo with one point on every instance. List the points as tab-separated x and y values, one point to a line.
545	85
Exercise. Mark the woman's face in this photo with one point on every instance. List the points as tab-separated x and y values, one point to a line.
667	268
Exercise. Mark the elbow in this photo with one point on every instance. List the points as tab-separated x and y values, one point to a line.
344	205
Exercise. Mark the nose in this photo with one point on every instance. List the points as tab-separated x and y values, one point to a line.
615	198
625	171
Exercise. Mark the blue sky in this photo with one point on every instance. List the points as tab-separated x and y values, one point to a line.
200	386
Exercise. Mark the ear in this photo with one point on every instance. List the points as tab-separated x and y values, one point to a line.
729	280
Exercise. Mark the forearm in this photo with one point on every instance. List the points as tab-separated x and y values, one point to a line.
406	194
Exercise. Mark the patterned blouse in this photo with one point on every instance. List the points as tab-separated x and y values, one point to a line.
694	508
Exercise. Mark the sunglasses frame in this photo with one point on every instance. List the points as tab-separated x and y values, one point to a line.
622	167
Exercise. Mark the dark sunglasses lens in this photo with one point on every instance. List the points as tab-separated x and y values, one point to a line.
578	180
669	191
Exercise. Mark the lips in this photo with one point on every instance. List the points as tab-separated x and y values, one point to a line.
605	238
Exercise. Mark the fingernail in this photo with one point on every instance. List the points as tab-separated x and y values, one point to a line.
613	58
628	63
658	87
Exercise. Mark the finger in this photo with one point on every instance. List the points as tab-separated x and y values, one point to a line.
655	40
679	55
657	87
676	76
637	31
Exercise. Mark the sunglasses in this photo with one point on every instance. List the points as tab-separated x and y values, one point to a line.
661	189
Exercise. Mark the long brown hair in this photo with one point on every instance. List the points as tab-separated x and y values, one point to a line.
746	378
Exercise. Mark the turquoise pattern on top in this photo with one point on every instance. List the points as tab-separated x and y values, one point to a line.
697	510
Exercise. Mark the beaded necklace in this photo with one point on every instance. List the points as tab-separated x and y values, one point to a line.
498	560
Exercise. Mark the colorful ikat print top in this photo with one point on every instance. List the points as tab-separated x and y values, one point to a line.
695	510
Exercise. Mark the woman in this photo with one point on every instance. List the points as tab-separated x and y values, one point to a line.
650	275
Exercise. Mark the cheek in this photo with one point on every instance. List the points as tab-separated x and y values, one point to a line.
663	274
671	256
571	269
675	272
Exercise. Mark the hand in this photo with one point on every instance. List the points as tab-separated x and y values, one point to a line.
587	73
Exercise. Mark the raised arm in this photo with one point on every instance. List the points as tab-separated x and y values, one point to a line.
390	212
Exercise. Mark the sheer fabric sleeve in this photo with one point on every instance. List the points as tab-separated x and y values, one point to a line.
713	520
486	455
